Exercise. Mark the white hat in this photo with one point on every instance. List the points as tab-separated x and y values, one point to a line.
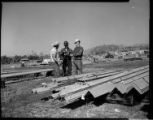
55	43
77	40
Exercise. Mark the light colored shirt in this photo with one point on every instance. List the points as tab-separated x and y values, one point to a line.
54	55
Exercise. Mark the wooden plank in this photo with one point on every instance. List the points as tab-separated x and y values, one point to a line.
74	86
74	76
105	74
44	89
71	88
8	72
71	98
24	73
4	72
21	80
55	95
77	88
90	74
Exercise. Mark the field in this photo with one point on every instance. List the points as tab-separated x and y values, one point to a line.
18	101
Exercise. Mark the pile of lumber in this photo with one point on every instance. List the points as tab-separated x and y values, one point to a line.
65	81
98	84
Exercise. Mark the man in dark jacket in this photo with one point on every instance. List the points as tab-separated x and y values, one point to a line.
77	58
66	54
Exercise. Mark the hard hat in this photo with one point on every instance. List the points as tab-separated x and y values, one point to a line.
55	43
77	40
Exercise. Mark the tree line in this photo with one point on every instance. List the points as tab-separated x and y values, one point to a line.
98	50
15	59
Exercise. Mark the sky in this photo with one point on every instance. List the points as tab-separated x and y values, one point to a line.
33	26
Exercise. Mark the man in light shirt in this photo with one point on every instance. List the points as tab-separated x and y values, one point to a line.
55	59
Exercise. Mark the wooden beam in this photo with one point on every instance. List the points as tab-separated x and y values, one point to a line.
76	76
25	73
44	89
96	77
49	85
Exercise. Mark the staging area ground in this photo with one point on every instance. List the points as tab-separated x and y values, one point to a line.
17	99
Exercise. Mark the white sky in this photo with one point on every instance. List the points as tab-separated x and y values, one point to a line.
32	26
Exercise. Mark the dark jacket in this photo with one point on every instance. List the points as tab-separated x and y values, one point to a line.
65	54
78	53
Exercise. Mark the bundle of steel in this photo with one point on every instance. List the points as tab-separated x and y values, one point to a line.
64	81
105	85
75	76
102	75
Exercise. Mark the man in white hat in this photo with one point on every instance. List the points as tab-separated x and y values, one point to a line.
77	58
55	59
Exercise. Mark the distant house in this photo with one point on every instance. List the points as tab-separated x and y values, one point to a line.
124	53
39	61
46	61
117	53
146	52
141	52
133	52
112	52
24	60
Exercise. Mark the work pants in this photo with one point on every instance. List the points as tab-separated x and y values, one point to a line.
77	67
67	67
56	68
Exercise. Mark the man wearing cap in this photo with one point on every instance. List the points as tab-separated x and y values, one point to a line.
54	56
66	55
77	58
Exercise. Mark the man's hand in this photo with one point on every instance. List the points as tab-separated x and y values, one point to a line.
72	59
71	54
60	62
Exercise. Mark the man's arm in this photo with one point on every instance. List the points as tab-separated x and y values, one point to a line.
54	57
61	54
80	52
53	54
71	52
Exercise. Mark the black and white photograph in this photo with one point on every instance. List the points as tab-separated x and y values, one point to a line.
75	59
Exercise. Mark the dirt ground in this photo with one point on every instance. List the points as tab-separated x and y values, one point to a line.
17	100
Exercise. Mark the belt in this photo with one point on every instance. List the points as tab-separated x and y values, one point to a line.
77	58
